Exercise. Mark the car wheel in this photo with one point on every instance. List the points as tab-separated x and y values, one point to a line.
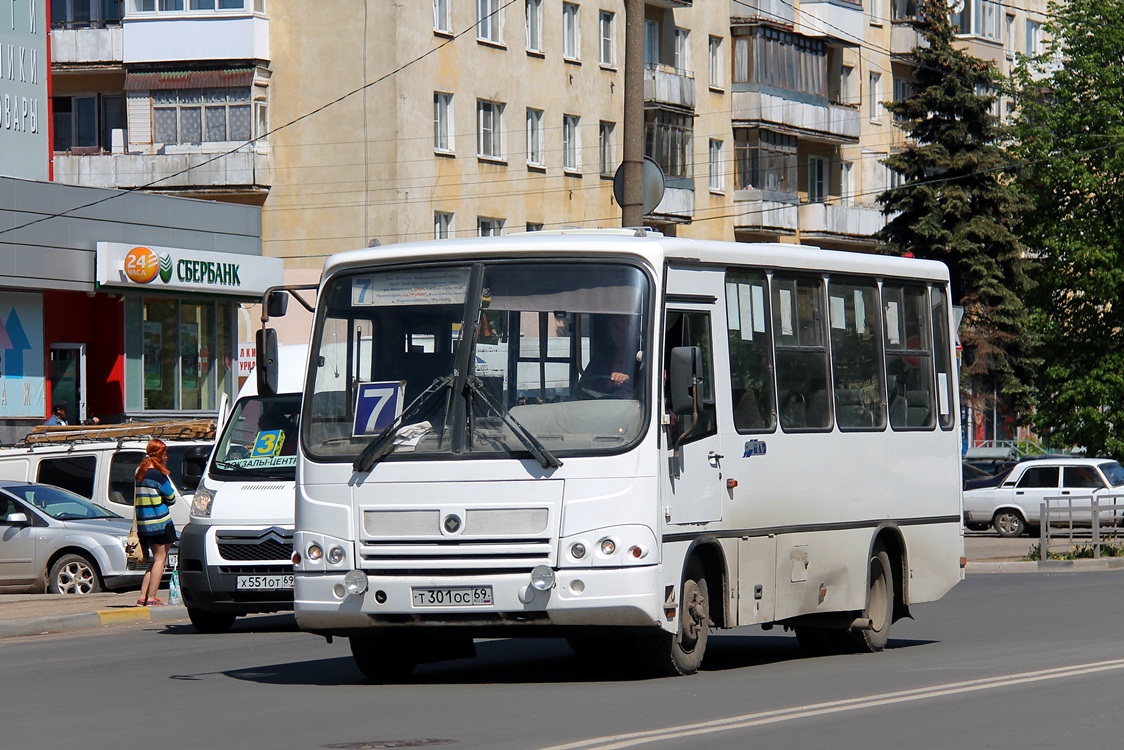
1008	523
210	622
73	574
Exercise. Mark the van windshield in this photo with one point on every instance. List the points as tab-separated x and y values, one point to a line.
260	438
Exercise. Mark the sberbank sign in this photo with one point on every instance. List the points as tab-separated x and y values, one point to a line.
120	264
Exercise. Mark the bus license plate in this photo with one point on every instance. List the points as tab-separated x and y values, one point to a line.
262	583
452	596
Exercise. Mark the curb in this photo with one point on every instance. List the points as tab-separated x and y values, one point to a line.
1046	566
89	620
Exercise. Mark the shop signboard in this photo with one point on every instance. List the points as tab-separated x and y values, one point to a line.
25	148
22	381
148	267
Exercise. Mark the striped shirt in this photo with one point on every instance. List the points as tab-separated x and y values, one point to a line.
153	495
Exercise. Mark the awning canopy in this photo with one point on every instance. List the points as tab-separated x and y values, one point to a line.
188	79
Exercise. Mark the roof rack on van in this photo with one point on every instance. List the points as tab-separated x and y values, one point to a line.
182	429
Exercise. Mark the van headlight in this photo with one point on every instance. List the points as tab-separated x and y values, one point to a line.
202	502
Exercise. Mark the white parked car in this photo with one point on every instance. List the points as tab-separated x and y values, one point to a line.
1015	505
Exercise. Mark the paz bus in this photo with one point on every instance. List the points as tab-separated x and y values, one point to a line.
624	439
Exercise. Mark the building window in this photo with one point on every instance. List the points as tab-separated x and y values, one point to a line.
488	21
571	144
1009	36
876	12
442	119
765	160
489	133
903	10
534	25
667	140
717	178
535	139
608	38
201	115
682	61
571	36
846	75
441	18
1033	38
488	227
903	89
85	14
651	43
606	158
817	179
847	184
978	18
194	6
178	354
442	225
87	121
534	227
778	59
717	69
874	102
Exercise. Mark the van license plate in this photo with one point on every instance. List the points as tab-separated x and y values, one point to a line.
263	583
452	596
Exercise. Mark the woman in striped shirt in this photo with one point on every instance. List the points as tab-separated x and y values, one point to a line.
154	492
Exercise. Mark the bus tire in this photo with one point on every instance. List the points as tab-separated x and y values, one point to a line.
879	606
380	659
210	622
682	652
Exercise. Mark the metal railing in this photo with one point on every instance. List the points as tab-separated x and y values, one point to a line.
1097	518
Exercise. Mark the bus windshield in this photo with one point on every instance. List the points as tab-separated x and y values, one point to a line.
260	439
492	358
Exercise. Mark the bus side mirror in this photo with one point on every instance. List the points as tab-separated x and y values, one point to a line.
266	364
277	304
194	465
686	364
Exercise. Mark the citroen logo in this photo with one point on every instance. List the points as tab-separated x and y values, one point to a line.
452	523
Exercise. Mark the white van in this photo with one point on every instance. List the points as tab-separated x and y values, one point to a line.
236	550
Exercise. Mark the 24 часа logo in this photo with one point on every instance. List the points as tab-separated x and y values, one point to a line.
142	265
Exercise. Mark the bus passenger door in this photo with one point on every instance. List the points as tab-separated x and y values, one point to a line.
695	483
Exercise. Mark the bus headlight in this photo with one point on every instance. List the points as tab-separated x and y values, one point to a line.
335	555
355	582
542	578
608	547
315	551
202	503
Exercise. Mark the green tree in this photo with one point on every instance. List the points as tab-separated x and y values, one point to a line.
959	205
1070	130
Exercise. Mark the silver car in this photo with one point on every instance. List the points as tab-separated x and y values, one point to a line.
52	539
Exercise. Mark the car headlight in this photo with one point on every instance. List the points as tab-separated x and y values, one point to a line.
202	502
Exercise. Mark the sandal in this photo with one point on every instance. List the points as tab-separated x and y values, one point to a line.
142	602
156	602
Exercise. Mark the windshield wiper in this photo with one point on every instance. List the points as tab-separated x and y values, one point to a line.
378	447
537	449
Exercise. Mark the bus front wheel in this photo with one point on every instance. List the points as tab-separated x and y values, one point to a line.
380	659
682	652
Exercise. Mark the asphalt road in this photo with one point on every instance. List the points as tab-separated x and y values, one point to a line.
1004	661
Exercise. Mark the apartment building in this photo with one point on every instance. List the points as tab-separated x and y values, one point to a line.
355	122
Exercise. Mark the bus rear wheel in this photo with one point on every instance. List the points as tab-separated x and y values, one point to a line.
682	652
381	658
879	606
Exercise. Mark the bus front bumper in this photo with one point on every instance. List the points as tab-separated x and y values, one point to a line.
614	597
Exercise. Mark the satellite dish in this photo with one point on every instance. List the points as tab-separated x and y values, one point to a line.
652	184
955	6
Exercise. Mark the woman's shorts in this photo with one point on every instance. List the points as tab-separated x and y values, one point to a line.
167	535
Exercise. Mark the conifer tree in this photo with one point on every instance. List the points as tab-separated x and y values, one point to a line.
1070	126
958	204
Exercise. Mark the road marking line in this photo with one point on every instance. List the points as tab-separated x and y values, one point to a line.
124	615
615	742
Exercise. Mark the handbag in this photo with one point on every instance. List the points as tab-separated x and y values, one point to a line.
134	550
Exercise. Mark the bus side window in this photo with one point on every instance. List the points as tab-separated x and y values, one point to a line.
856	354
802	376
751	352
909	360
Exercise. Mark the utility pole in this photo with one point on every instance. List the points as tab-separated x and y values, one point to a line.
632	163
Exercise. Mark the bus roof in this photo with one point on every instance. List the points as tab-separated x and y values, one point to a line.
655	248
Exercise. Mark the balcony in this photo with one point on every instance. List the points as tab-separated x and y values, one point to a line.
244	171
669	3
835	123
828	220
904	38
88	46
677	202
664	84
753	211
774	11
839	19
165	37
